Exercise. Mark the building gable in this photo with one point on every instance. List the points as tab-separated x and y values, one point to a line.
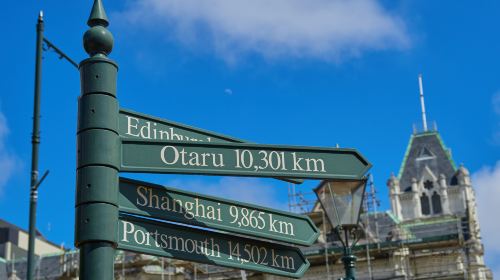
425	152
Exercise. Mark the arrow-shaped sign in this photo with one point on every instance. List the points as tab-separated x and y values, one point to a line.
190	208
191	244
242	159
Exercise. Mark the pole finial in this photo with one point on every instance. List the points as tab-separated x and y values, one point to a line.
422	103
98	15
40	16
98	40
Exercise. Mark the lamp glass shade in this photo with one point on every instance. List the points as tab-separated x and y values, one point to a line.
342	201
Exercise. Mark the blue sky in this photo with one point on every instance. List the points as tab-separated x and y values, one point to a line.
315	73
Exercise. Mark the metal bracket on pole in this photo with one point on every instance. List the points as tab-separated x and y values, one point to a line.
35	187
59	52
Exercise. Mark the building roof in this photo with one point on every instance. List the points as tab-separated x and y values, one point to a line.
425	150
13	228
5	224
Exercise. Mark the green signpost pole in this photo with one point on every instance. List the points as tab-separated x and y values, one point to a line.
35	142
97	153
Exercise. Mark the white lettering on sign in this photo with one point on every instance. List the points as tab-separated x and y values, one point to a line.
207	247
203	211
150	130
282	261
236	252
256	219
254	160
190	209
280	226
170	155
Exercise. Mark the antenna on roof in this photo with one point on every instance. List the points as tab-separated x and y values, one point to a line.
422	103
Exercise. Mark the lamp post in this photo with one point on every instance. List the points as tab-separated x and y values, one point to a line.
342	201
35	140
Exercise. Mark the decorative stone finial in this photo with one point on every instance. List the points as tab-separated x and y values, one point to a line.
98	40
393	177
463	171
414	185
442	180
393	181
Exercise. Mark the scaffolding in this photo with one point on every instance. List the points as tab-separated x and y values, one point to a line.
299	201
412	243
304	202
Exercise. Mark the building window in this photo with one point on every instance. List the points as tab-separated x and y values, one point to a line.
425	154
429	185
454	180
436	203
424	203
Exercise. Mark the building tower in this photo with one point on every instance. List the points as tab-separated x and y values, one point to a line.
430	187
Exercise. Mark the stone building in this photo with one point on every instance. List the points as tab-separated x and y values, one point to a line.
14	246
431	232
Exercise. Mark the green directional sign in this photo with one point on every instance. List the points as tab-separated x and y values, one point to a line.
134	125
181	206
242	159
191	244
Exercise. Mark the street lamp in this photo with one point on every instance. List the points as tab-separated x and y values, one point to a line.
342	201
35	140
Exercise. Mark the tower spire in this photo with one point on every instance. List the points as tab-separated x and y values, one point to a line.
422	103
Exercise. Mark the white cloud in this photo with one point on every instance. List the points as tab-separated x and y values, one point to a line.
250	190
487	184
320	29
495	101
9	163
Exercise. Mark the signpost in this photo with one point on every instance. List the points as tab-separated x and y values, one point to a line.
134	125
173	241
241	159
190	208
112	215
